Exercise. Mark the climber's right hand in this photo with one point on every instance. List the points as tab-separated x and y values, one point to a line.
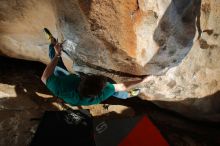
58	49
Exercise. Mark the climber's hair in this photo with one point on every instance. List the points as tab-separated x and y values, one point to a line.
91	85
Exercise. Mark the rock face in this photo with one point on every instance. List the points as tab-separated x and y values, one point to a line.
175	41
192	87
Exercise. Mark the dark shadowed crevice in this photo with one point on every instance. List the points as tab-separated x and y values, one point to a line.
81	63
198	11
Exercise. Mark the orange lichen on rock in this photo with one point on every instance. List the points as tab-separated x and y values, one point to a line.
112	21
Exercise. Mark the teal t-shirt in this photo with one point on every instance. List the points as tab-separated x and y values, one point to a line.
65	87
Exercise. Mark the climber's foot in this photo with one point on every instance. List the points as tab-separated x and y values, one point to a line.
134	92
49	36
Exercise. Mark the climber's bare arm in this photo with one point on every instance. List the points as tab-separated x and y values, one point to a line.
124	86
51	66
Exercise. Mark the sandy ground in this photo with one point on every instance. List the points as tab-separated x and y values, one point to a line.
23	100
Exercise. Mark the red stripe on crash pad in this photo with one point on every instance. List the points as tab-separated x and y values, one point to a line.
145	133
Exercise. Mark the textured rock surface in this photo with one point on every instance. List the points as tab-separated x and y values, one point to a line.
176	41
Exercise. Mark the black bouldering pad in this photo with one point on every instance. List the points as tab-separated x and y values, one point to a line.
65	128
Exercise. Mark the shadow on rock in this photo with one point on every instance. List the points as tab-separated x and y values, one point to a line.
175	33
203	109
27	85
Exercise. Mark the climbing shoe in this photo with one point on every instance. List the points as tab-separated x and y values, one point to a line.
48	35
134	92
